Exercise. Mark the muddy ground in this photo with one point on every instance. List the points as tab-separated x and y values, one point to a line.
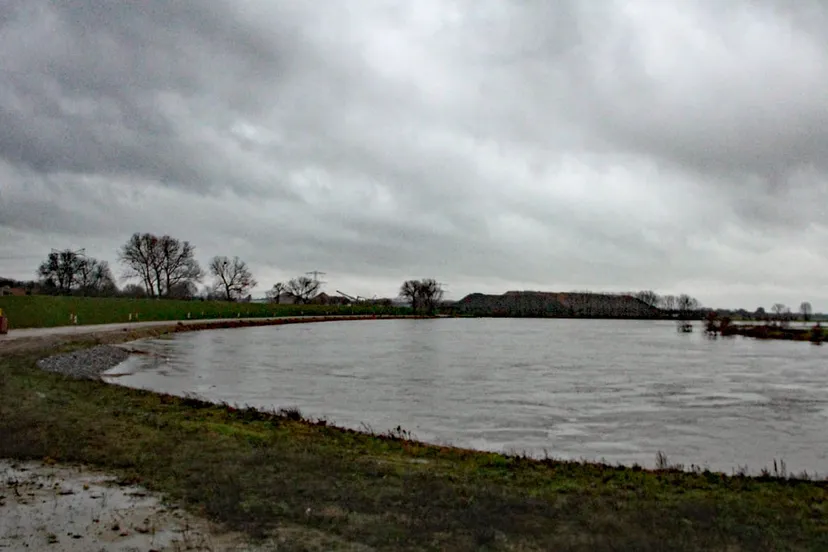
77	509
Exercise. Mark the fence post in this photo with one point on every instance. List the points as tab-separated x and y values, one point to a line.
4	324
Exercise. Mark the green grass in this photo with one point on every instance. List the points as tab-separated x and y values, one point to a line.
41	311
319	487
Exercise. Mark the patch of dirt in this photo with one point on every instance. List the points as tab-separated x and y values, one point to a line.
76	509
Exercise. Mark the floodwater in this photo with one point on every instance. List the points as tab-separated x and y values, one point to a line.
618	391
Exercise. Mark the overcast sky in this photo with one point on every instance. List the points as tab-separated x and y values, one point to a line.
678	146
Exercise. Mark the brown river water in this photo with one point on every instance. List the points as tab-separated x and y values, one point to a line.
618	391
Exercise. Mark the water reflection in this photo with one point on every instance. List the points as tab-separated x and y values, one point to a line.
617	390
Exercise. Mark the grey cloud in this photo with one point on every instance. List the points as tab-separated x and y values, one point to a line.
86	82
382	141
741	103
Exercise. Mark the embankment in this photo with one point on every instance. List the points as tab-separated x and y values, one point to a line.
42	311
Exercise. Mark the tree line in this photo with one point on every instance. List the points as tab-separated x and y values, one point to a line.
166	268
671	304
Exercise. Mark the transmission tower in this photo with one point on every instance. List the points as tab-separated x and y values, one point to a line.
80	252
316	274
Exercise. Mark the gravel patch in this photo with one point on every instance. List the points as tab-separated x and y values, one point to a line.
85	364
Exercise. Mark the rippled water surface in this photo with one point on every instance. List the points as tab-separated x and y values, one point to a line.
613	390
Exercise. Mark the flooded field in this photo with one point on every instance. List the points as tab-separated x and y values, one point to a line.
613	390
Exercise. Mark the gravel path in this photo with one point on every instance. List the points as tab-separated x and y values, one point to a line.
27	333
85	364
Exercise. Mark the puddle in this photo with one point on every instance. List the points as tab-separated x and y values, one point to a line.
74	509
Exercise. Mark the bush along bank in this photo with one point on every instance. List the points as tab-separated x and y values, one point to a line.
815	334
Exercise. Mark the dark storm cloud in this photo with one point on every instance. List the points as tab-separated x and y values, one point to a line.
85	84
540	144
731	91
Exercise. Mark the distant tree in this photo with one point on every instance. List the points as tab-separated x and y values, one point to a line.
686	305
760	313
134	290
159	262
424	295
60	271
431	293
139	254
178	264
778	309
94	277
806	310
232	277
409	291
274	294
183	290
302	289
668	303
649	297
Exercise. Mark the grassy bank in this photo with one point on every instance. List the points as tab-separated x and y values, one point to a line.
319	487
41	311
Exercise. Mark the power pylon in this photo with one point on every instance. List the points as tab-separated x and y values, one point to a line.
80	252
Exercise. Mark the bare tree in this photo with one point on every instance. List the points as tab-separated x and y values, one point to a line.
274	294
806	310
178	264
60	270
424	295
648	297
94	277
303	289
409	291
668	303
686	305
431	293
778	309
160	263
140	256
232	277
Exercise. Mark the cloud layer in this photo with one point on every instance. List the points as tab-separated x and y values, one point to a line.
618	145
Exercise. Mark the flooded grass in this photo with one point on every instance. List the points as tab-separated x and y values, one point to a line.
313	486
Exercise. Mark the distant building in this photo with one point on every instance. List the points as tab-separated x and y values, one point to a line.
287	299
7	291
